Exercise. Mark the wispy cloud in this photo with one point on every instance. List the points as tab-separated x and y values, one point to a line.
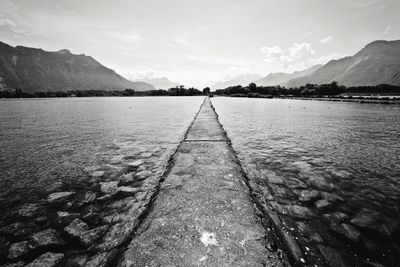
326	40
14	27
387	30
298	54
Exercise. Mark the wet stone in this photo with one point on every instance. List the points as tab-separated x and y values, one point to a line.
99	260
316	238
18	249
143	174
89	197
109	187
322	204
331	197
146	155
127	178
92	218
136	163
19	229
278	207
320	184
91	168
59	196
126	191
48	237
89	237
346	230
65	218
341	174
28	211
47	260
141	168
76	260
309	195
372	220
97	174
116	235
76	228
296	184
274	179
299	212
334	218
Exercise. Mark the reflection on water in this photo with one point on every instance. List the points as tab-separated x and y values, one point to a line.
338	160
50	145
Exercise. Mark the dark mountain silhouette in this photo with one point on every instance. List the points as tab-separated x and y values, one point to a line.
34	70
377	63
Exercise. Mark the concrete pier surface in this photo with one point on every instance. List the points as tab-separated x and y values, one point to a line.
203	214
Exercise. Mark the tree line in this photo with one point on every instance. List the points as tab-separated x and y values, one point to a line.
331	89
176	91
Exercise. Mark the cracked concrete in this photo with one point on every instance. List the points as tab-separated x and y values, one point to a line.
203	214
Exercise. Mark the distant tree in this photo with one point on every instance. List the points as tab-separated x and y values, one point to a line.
206	91
252	87
129	92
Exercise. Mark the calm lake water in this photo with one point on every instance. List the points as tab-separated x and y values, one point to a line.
355	148
50	145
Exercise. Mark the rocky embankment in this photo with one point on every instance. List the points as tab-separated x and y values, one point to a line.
313	221
87	226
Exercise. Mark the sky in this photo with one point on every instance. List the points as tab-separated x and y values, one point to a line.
200	42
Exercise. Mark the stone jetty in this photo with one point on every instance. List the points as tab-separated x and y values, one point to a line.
203	214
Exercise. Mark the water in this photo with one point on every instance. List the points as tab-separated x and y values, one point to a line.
50	145
352	147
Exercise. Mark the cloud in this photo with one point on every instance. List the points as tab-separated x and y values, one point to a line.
298	54
272	54
309	33
326	40
12	26
8	23
387	30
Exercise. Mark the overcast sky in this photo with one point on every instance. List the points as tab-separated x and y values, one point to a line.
199	42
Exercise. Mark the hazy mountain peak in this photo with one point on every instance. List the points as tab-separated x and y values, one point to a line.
281	78
158	82
242	79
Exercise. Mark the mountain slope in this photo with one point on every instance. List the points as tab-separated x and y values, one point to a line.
242	79
377	63
280	78
159	83
34	70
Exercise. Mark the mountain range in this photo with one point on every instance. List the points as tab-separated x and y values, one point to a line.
33	70
377	63
281	78
159	83
242	79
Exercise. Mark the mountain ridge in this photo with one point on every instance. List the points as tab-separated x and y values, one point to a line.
242	79
281	78
377	63
34	69
159	82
